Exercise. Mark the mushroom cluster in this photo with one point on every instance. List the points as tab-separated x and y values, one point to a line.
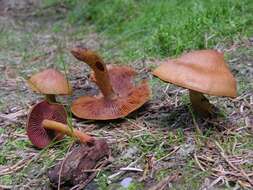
119	97
47	119
202	72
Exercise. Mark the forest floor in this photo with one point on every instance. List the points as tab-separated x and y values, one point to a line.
160	139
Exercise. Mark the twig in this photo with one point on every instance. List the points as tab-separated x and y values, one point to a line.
120	172
246	175
131	169
197	161
224	173
14	168
222	153
206	158
6	187
12	117
172	152
135	124
91	170
5	117
217	180
63	162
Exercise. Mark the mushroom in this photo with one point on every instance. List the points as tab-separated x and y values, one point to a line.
50	82
47	122
119	95
202	72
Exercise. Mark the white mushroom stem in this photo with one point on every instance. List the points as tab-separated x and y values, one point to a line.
200	103
64	129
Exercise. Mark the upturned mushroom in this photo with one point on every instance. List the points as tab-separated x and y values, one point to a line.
202	72
50	82
47	122
119	94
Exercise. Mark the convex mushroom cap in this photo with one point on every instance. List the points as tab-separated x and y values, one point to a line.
203	71
50	81
119	94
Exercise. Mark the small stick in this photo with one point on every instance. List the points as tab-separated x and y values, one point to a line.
197	161
60	172
217	180
222	153
5	187
172	152
130	165
205	158
131	169
5	117
14	168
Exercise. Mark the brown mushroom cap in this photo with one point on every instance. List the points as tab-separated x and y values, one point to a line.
204	71
50	81
100	108
38	135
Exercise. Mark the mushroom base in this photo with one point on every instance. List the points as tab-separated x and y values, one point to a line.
201	104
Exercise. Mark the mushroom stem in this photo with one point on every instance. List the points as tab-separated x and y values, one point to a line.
200	103
50	98
98	66
62	128
102	79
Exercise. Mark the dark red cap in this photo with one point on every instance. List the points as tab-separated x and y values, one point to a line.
39	136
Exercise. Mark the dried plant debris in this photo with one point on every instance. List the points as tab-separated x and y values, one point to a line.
225	167
80	165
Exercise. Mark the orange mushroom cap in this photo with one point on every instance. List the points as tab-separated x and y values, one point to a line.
50	81
100	108
38	135
204	71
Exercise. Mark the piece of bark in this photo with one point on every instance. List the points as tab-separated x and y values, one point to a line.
75	166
